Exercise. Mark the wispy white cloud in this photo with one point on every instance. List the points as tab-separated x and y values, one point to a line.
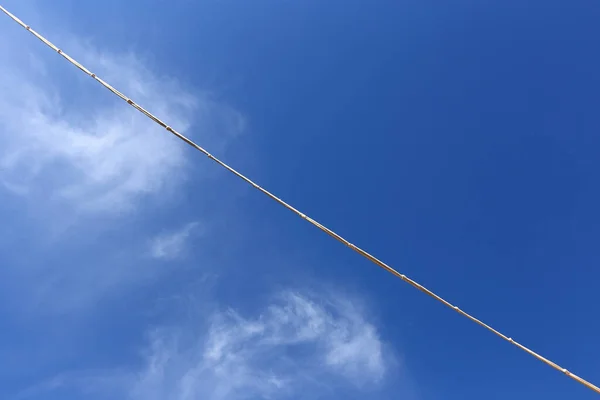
101	159
171	245
330	335
71	142
299	346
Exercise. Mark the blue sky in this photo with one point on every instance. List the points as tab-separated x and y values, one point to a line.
457	142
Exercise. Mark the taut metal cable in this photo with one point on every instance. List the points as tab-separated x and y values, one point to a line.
331	233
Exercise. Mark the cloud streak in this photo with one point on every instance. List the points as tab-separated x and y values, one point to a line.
171	245
97	156
299	346
294	346
96	160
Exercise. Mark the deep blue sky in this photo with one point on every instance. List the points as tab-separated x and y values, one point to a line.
457	142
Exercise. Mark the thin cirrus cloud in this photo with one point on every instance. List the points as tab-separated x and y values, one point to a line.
171	245
298	346
102	156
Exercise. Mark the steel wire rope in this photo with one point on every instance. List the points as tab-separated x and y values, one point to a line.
331	233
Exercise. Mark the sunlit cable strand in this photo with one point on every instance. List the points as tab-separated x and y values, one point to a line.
331	233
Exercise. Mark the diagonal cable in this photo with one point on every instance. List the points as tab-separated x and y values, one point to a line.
331	233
